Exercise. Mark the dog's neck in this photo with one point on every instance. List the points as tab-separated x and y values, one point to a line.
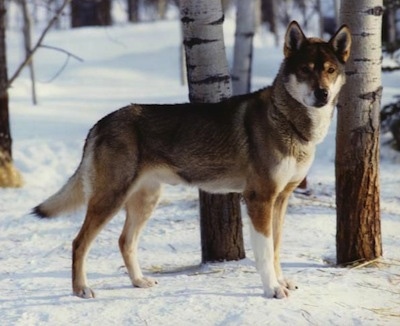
308	124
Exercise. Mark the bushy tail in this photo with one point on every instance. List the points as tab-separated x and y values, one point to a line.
70	197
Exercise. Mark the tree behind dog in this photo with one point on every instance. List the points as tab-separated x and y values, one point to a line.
358	235
209	81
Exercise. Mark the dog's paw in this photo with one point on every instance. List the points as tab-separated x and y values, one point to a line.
84	292
144	282
288	283
277	292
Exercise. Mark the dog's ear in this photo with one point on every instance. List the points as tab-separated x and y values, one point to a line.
294	38
341	43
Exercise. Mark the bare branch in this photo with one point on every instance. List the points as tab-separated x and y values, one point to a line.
69	54
38	43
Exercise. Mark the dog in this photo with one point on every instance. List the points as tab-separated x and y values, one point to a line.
259	144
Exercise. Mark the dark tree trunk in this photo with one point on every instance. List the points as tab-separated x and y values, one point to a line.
9	176
133	11
221	227
209	81
268	15
358	235
389	27
5	138
90	13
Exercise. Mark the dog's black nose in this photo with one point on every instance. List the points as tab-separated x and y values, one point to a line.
321	94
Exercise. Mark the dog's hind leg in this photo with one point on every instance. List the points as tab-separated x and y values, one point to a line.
101	208
278	219
139	207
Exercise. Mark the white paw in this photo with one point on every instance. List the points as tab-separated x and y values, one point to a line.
144	282
277	292
288	283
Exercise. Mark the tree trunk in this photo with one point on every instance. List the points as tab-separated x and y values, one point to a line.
90	13
27	31
358	235
133	11
9	176
269	9
182	60
336	7
162	9
389	27
243	51
320	18
209	81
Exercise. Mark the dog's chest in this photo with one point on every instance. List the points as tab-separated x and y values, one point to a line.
321	120
292	169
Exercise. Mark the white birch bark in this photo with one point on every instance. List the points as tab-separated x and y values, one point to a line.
243	51
208	72
357	140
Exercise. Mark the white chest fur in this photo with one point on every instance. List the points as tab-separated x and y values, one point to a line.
321	120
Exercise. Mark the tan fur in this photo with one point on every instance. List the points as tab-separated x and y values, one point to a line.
260	144
10	177
67	199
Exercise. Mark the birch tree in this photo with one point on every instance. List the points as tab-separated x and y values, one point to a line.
243	51
209	81
358	235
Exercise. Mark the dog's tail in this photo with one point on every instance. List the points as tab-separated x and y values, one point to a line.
69	198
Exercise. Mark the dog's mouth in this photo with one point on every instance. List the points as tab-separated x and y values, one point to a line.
320	104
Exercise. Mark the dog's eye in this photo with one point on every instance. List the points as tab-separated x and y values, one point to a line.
331	70
305	69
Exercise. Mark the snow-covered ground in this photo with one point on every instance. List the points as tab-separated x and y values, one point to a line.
140	63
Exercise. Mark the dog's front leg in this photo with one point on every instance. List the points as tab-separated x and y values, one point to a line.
260	209
279	215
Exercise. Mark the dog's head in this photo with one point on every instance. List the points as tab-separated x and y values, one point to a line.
314	69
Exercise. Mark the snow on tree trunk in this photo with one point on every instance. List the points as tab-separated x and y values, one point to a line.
209	81
358	235
9	176
243	51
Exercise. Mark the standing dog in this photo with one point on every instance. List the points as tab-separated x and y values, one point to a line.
260	144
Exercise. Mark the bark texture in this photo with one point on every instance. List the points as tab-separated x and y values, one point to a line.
207	67
9	176
358	235
209	81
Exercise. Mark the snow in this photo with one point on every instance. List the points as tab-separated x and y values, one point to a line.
139	63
